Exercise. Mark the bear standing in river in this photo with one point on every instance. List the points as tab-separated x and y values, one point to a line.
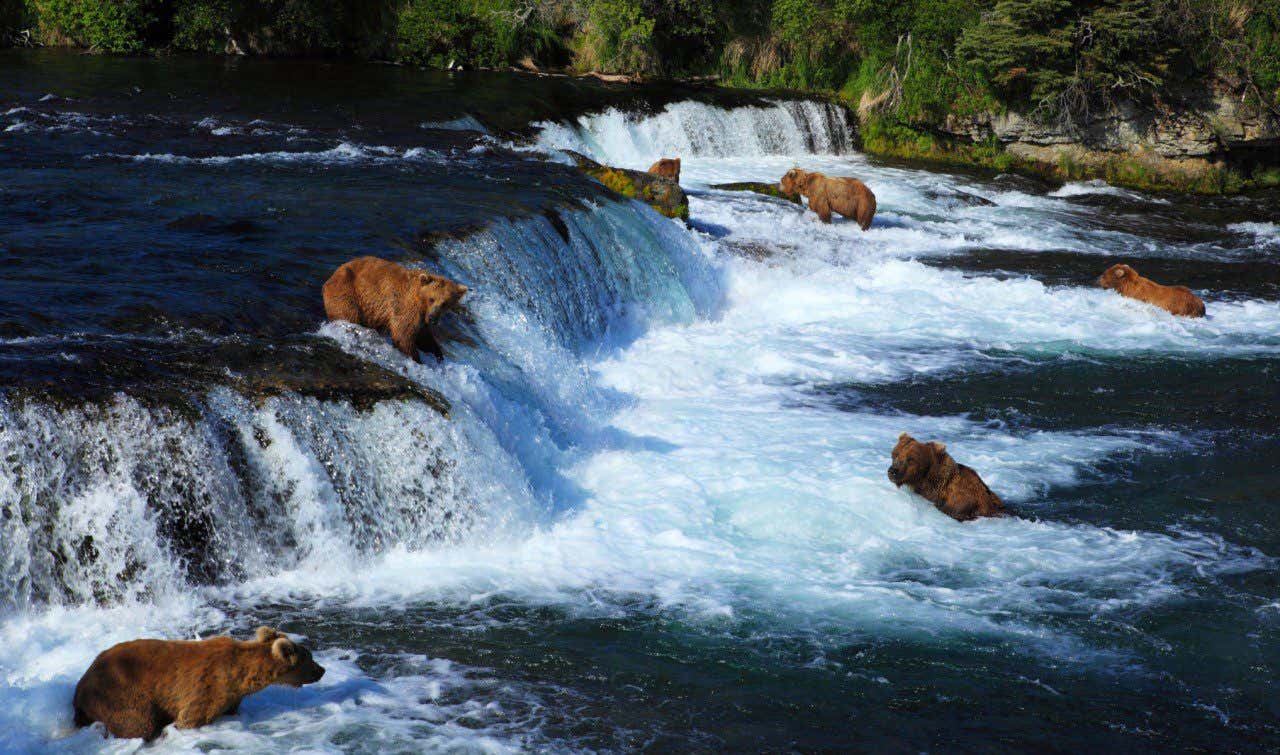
956	490
137	688
382	295
667	168
1177	300
847	196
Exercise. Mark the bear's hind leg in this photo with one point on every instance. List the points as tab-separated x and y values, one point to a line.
142	723
82	719
340	298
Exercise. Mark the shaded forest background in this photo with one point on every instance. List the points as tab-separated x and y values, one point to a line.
907	62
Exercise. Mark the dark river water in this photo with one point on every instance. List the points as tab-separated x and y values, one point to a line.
642	503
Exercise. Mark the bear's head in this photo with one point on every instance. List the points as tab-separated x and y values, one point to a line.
794	182
296	666
913	460
437	293
668	167
1116	276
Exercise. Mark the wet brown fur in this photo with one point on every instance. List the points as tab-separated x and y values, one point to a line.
667	168
847	196
382	295
137	688
1177	300
956	490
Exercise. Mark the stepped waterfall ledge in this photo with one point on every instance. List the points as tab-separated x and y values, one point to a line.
646	496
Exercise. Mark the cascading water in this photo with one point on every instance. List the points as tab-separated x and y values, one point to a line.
125	501
650	508
695	129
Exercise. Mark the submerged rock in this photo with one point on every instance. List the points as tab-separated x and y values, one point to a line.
769	190
662	194
209	224
957	197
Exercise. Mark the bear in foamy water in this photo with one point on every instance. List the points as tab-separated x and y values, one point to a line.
847	196
382	295
137	688
667	168
1177	300
956	490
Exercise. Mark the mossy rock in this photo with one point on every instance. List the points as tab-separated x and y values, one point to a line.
769	190
660	193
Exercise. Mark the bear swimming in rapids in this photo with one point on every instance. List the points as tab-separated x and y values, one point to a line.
137	688
847	196
1177	300
956	490
382	295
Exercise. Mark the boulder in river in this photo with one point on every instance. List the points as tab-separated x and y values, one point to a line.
759	187
662	194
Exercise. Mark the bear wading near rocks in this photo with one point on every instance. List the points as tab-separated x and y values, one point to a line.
388	297
667	168
956	490
1177	300
846	196
138	688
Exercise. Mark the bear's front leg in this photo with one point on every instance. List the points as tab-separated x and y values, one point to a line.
427	342
404	334
822	208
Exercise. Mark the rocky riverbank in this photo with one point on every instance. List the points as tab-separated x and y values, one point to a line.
1208	144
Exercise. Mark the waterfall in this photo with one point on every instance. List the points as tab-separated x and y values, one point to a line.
696	129
130	498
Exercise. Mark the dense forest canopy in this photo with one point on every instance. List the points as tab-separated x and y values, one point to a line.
913	61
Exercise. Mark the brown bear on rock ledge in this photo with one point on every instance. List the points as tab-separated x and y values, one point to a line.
137	688
847	196
382	295
956	490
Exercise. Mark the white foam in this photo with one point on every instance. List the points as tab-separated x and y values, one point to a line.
1267	234
346	152
1100	187
464	123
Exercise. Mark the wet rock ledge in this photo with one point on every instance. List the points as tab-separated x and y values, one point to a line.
662	194
178	373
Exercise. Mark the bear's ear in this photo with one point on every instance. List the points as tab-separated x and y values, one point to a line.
285	651
903	437
267	634
1120	271
423	279
939	447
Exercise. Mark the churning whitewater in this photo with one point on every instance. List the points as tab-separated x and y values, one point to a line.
651	425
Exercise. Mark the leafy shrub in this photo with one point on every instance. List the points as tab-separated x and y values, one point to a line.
120	26
617	36
282	27
489	33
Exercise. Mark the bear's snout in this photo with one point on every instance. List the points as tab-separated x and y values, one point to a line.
895	474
